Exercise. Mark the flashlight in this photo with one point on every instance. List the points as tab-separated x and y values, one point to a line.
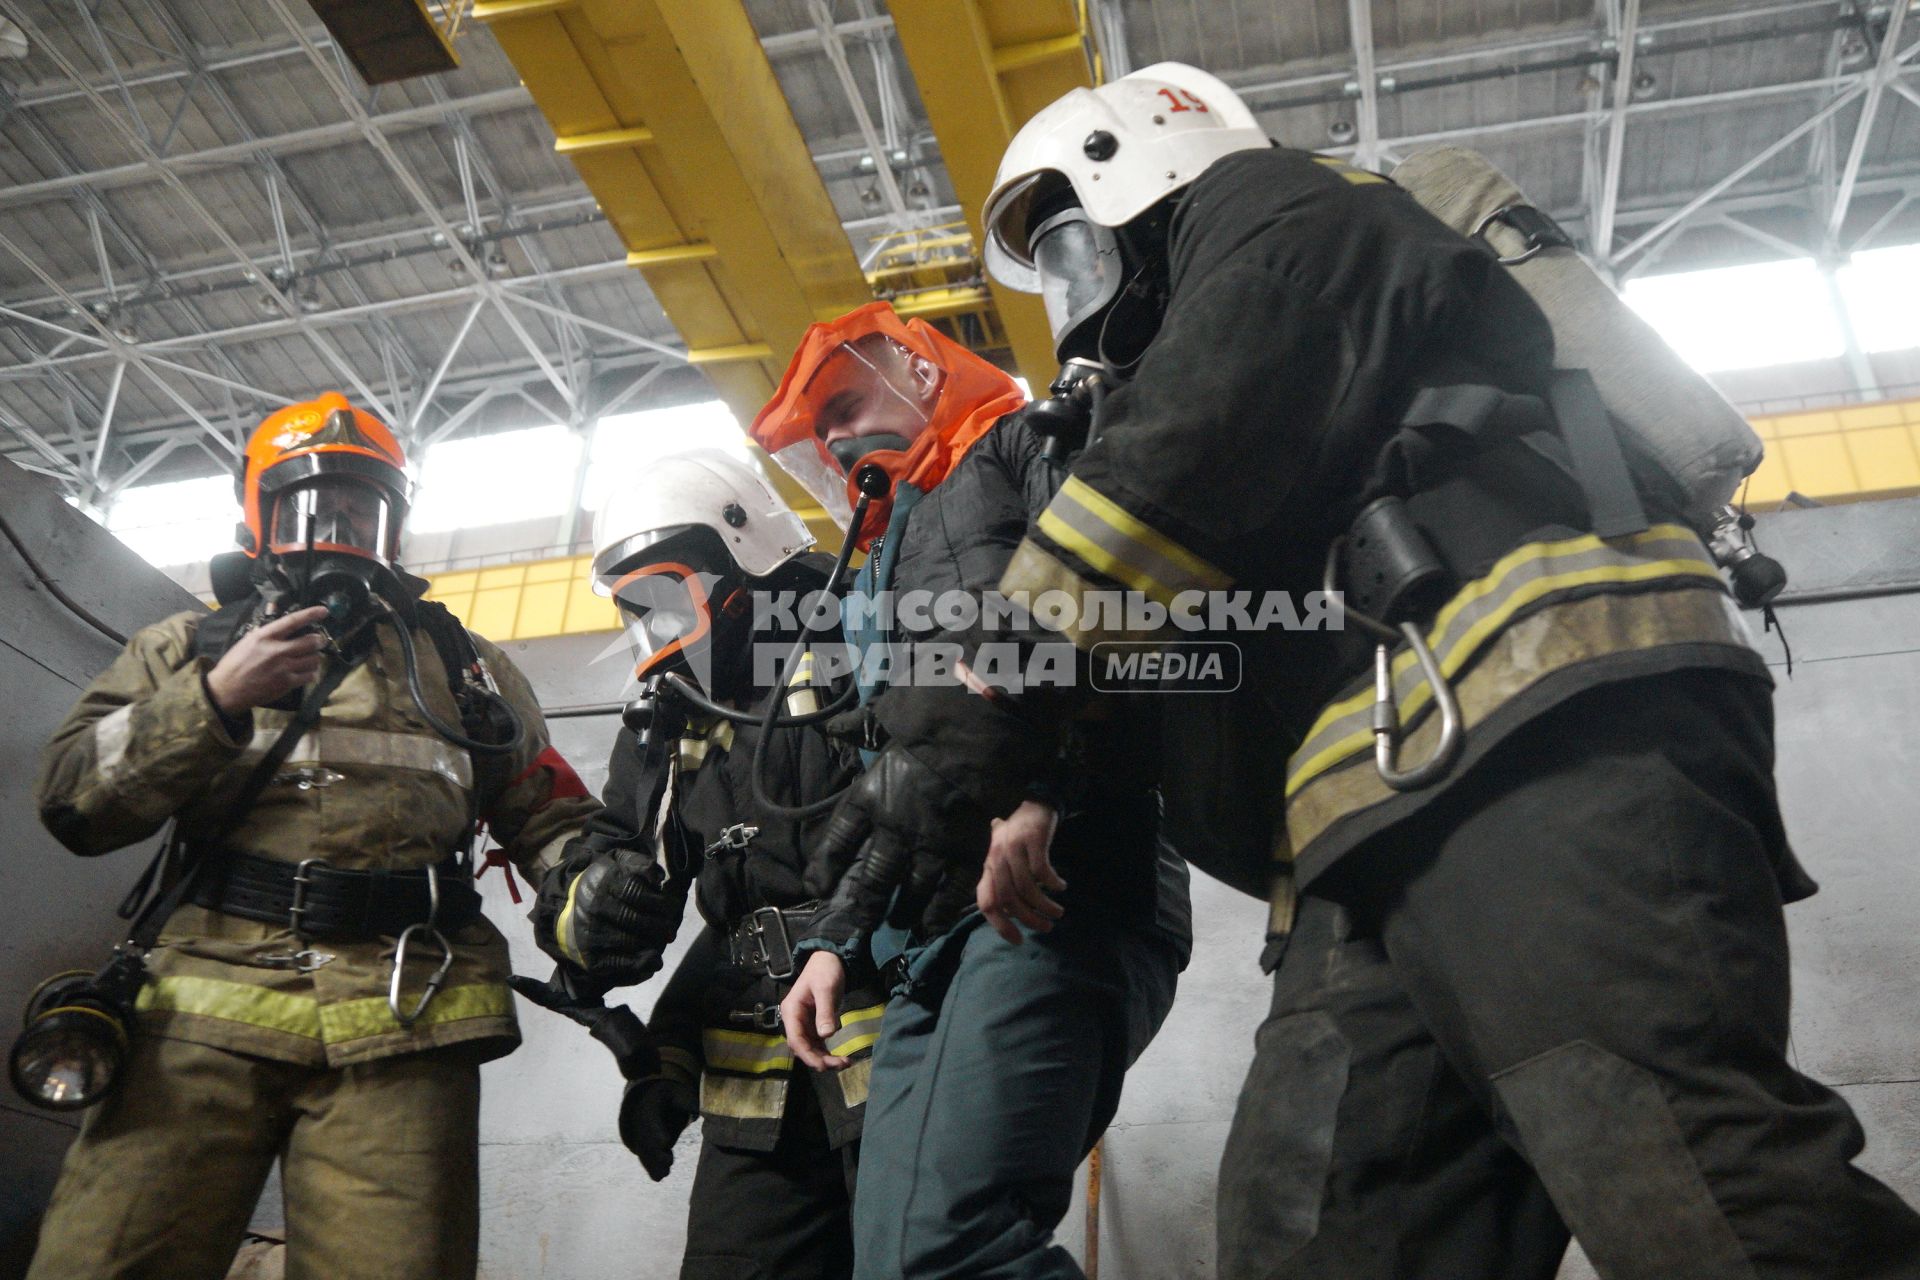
77	1033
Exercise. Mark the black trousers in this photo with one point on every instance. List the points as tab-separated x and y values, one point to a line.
1559	1001
784	1214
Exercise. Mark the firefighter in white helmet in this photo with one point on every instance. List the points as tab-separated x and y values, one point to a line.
1537	975
711	572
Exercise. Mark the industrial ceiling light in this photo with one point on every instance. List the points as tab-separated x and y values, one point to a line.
1340	131
870	196
13	41
1644	83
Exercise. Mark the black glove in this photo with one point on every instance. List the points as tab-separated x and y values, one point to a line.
900	827
605	915
653	1112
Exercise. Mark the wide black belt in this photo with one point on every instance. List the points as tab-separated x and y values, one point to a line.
319	901
762	941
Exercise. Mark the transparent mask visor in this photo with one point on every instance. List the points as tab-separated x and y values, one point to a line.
870	387
663	609
1078	262
335	514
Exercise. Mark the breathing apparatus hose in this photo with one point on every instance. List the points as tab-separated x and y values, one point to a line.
440	726
872	482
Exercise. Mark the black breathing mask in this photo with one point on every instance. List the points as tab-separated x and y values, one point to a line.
850	450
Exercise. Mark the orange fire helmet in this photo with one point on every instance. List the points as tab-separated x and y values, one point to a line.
936	394
327	447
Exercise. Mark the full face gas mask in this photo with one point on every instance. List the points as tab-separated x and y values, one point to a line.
1104	288
332	542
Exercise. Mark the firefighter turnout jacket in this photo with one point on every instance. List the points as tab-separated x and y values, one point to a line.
747	870
1310	304
372	787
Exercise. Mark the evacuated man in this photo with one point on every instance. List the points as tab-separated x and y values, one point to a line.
708	566
1011	1026
266	1032
1538	976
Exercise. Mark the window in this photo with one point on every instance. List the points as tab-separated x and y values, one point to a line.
1741	317
496	479
629	441
177	523
1880	286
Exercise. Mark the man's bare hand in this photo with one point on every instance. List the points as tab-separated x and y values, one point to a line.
269	662
1019	873
811	1011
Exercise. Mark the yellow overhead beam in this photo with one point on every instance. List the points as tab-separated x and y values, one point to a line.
984	67
672	114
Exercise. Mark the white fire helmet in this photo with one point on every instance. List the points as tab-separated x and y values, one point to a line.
683	527
1121	147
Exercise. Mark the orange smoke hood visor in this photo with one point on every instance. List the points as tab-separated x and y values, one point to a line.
974	394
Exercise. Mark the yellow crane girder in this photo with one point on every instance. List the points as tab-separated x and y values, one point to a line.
672	114
983	68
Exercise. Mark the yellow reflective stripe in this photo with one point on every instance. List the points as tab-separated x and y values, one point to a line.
304	1016
747	1052
693	750
855	1082
339	744
854	1035
563	928
234	1002
1359	177
738	1098
371	1016
1102	560
1035	570
1121	545
1485	606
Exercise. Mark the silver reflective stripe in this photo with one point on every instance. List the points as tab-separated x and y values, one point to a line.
111	734
334	745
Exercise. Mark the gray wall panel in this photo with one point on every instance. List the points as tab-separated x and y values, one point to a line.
57	910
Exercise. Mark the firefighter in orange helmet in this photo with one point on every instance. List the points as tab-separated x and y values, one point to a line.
325	744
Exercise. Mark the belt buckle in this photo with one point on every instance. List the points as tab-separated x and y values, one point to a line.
306	959
779	967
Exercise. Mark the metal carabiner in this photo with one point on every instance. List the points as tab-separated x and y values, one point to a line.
1386	713
439	977
1386	718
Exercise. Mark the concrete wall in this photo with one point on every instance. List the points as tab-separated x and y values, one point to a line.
56	910
562	1198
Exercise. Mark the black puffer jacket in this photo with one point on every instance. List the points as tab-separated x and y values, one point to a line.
1110	846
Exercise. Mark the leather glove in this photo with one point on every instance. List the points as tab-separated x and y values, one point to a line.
605	915
653	1112
901	826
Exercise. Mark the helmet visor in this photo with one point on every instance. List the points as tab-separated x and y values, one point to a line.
336	513
1078	262
664	610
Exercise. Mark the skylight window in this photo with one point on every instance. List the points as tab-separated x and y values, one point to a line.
625	444
1880	286
180	522
1741	317
496	479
